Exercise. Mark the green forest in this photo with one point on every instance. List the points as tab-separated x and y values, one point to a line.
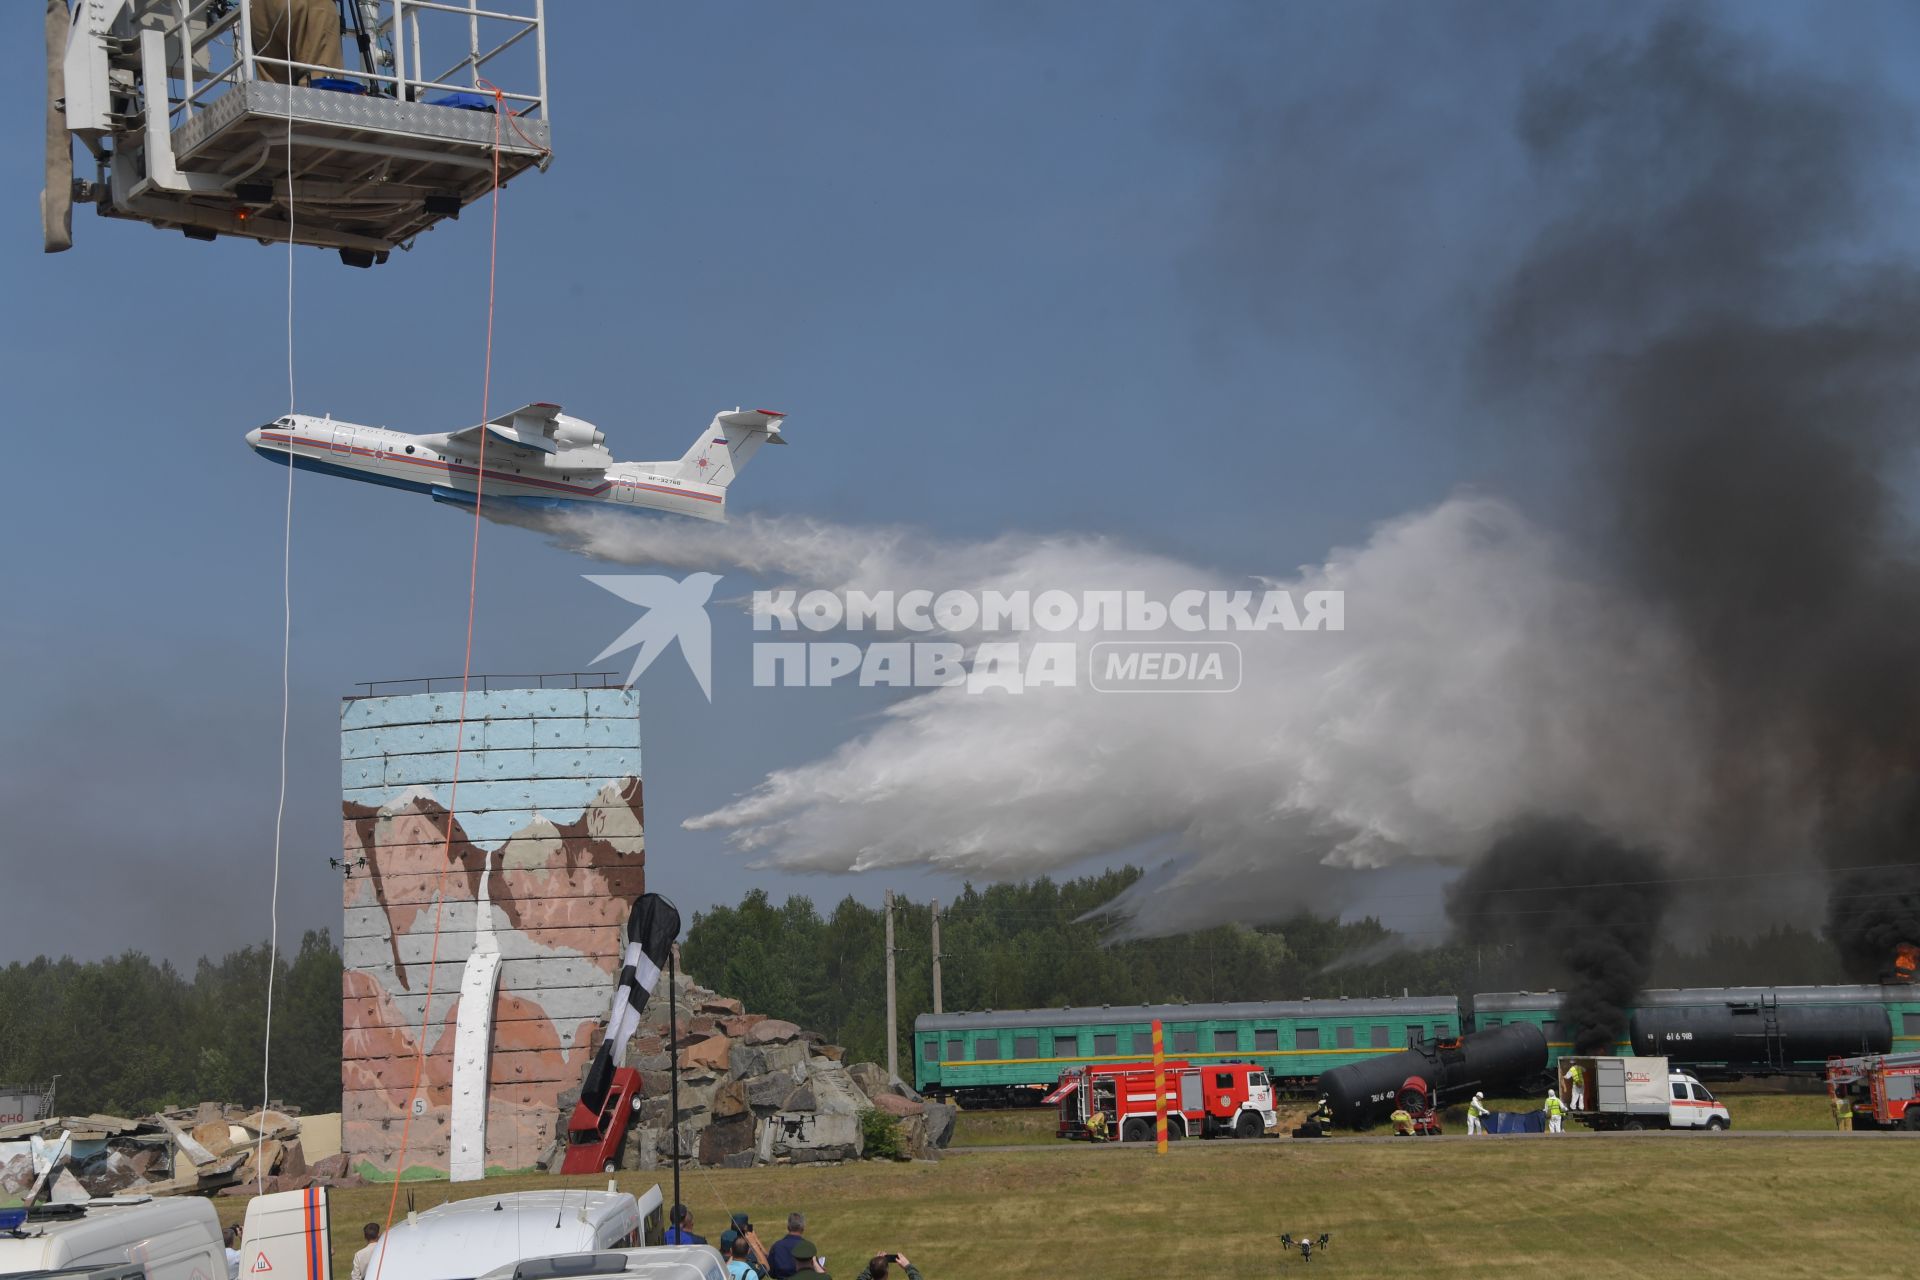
129	1035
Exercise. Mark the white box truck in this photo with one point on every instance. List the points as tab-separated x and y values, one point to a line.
1639	1093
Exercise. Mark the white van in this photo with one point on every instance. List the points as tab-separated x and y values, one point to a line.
667	1262
158	1239
462	1239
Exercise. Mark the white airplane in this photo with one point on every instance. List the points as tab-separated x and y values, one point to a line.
537	458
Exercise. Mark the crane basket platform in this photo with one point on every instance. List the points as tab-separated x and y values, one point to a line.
195	113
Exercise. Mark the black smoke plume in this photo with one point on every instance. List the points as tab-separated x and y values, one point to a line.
1745	379
1575	903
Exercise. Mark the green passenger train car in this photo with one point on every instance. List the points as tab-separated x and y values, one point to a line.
1735	1031
1005	1057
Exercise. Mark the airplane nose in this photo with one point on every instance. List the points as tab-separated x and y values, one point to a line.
253	438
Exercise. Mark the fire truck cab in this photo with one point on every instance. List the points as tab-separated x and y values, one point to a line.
1114	1102
1880	1089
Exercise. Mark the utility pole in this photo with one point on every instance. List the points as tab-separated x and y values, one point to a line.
893	1038
936	956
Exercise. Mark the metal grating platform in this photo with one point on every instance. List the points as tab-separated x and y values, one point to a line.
364	166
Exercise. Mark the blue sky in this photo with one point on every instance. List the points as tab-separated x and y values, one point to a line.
1189	276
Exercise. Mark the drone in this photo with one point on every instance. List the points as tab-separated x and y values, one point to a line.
1306	1244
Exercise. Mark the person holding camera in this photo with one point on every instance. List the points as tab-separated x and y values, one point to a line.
877	1269
741	1231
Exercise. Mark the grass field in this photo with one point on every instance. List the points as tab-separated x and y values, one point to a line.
1683	1205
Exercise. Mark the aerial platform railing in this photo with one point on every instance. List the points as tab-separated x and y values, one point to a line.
218	117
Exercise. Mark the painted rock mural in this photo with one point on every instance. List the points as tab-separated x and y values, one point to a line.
545	851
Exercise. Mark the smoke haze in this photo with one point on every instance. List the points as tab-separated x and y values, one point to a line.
1709	672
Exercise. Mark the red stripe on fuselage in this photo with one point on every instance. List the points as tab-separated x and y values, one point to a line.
458	468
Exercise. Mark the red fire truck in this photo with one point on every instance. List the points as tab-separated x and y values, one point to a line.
1880	1087
1226	1099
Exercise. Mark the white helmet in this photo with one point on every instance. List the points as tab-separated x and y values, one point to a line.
1478	1096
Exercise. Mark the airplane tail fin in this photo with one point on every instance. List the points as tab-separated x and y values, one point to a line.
723	448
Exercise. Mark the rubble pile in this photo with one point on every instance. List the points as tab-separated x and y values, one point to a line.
204	1150
755	1090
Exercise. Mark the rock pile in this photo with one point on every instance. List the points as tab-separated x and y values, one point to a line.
201	1150
755	1090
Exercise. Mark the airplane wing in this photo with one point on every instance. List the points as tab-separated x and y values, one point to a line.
529	427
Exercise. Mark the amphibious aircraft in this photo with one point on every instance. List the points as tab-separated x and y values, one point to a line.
536	457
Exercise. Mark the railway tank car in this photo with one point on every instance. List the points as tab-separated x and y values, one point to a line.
1762	1030
1363	1093
1727	1032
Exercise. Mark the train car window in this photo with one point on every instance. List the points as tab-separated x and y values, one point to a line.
1226	1041
986	1048
1186	1042
1488	1024
1910	1024
1413	1036
1377	1037
956	1051
1551	1030
1266	1039
1680	1090
1306	1037
933	1051
1106	1046
1066	1046
1343	1037
1026	1046
1441	1031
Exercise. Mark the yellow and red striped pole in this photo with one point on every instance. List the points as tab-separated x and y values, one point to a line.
1159	1090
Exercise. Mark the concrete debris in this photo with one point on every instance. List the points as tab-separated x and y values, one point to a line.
208	1149
755	1090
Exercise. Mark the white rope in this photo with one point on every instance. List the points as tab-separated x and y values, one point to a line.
286	701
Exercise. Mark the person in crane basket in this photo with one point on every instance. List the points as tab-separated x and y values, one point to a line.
295	31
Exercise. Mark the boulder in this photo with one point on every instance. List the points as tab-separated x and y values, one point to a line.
800	1099
720	1006
940	1118
767	1092
829	1128
709	1054
729	1100
895	1105
870	1076
330	1170
726	1138
741	1159
747	1059
913	1136
833	1051
648	1065
739	1026
641	1151
772	1031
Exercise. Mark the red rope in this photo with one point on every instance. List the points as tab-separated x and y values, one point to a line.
466	676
